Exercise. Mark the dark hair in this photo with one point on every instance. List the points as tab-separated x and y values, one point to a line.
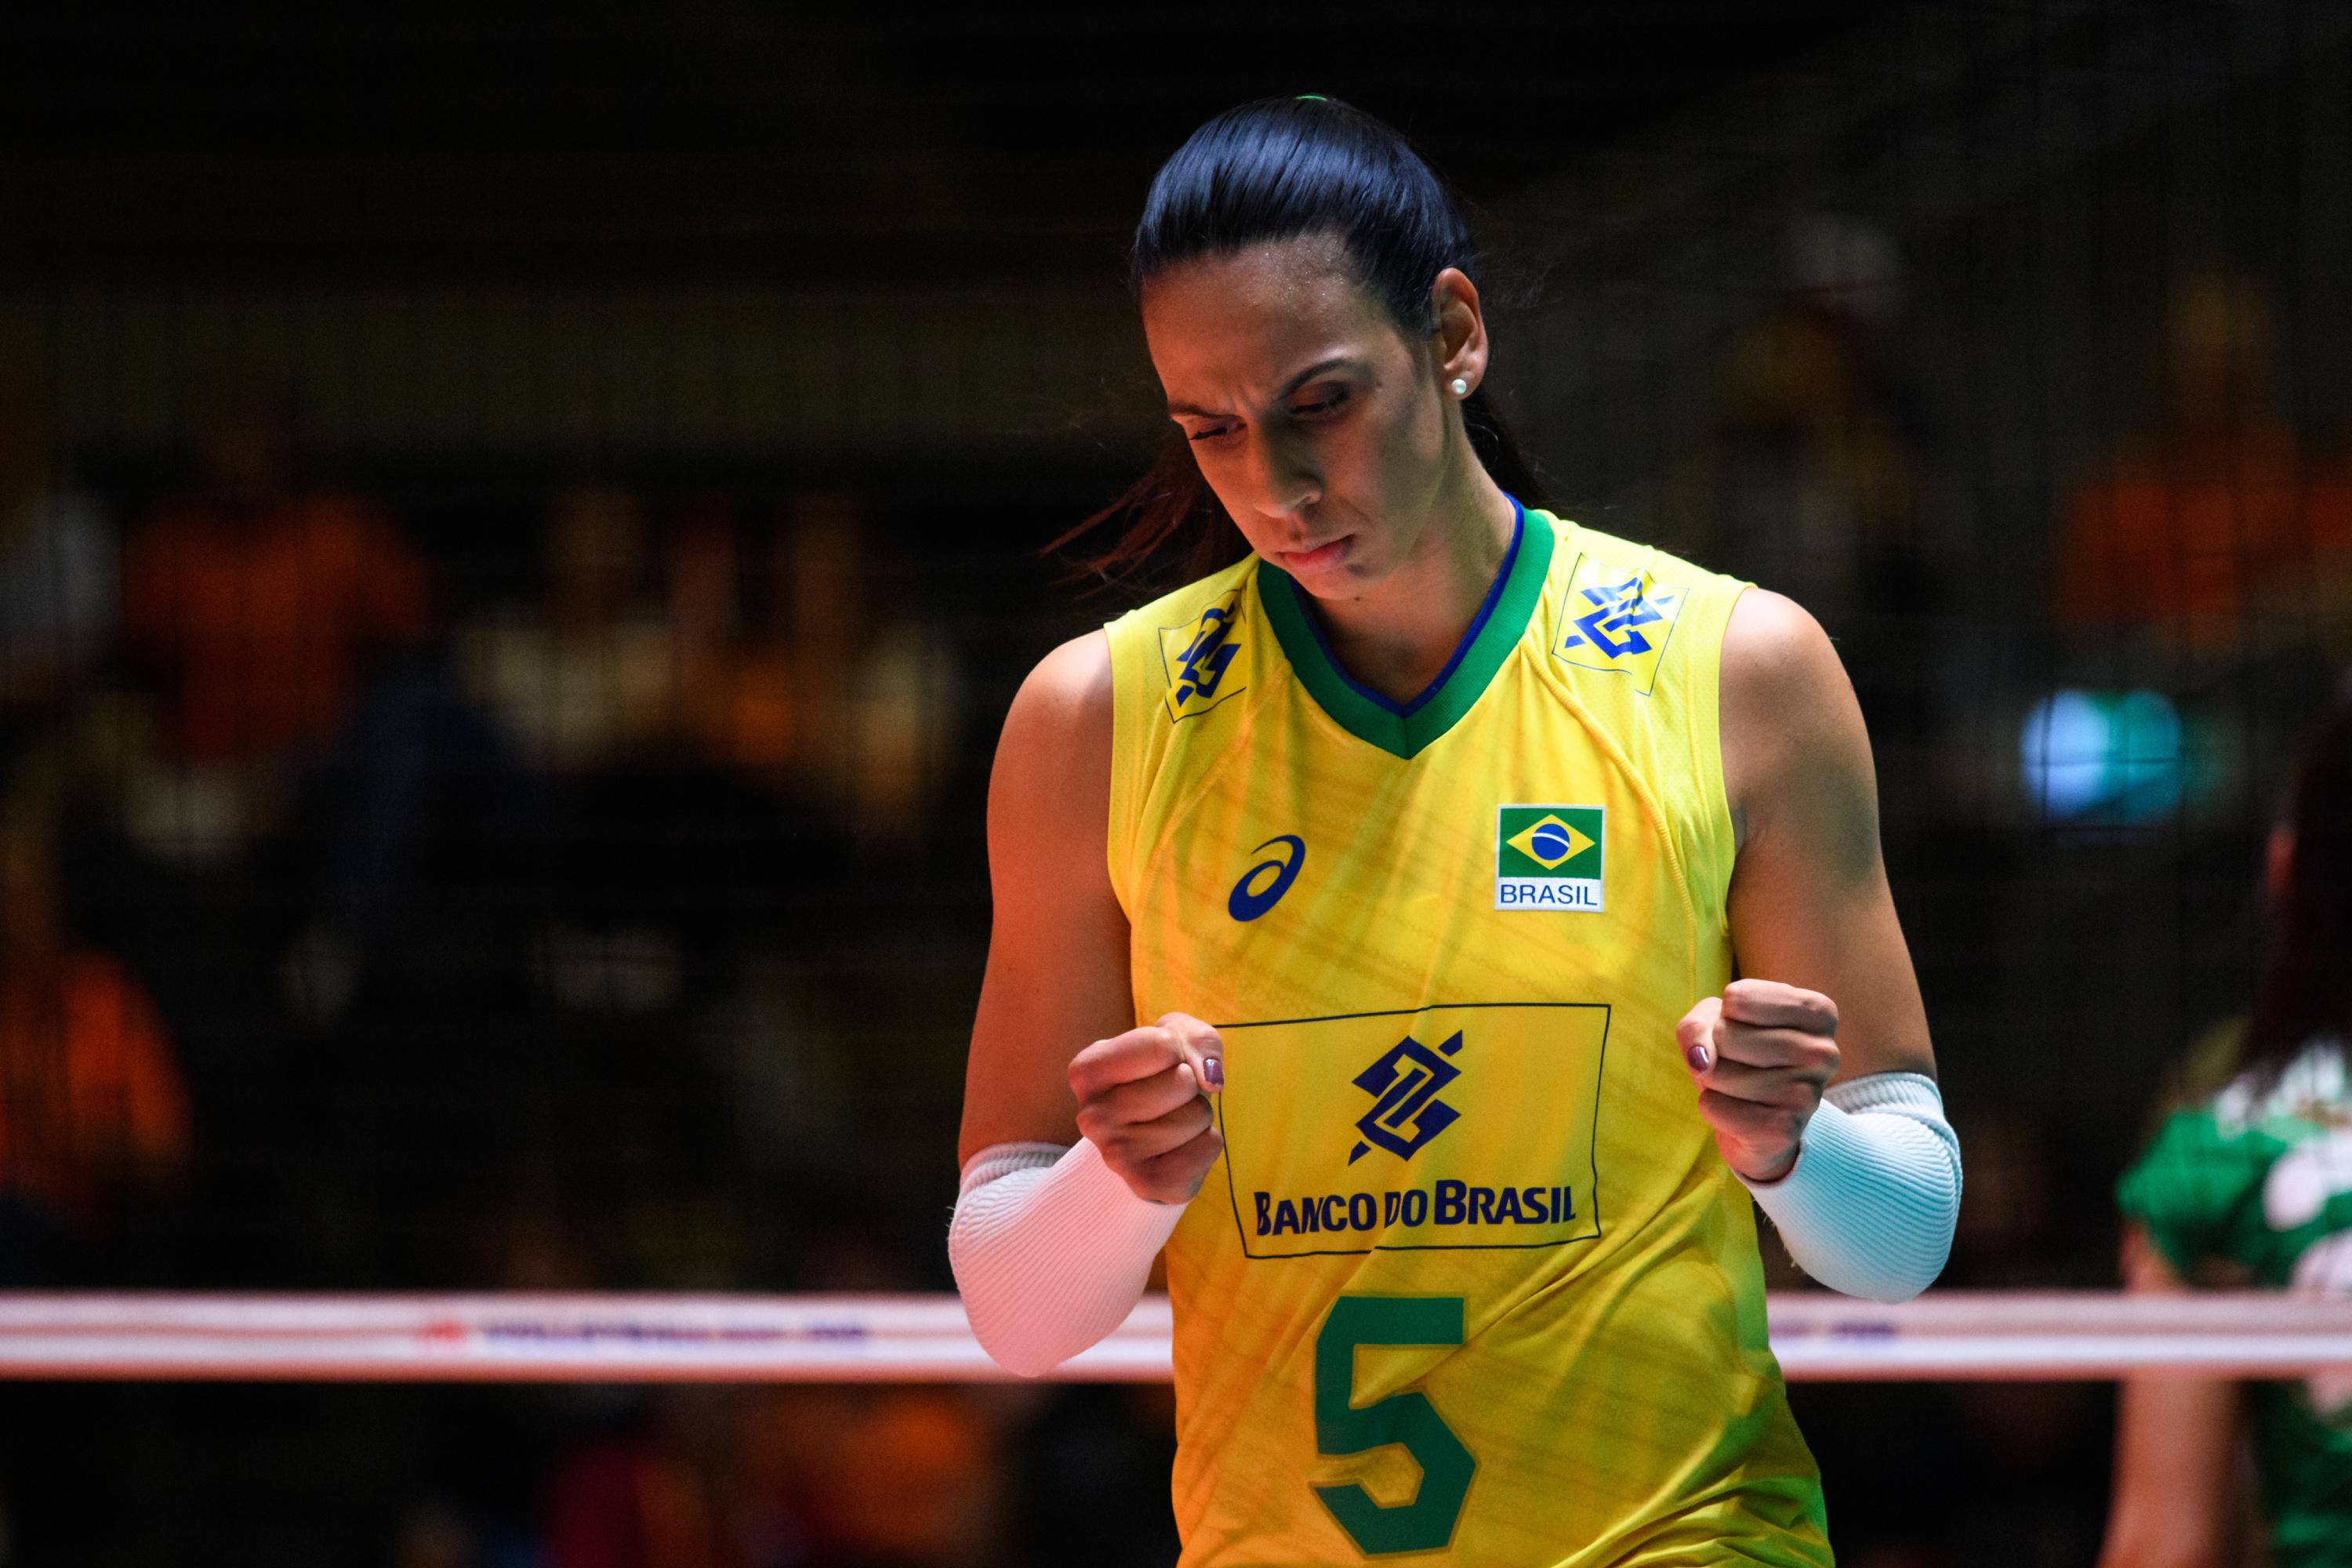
2306	990
1279	169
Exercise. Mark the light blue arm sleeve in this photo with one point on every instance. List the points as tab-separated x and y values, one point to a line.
1869	1206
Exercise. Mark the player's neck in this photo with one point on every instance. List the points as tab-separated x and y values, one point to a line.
1402	634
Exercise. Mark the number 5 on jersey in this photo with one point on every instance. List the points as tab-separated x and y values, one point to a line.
1344	1427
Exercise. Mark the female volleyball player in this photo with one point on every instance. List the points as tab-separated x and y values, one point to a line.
2252	1187
1416	829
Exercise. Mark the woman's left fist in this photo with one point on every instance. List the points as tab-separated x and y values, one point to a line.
1761	1054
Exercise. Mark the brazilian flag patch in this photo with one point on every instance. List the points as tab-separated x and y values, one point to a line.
1548	856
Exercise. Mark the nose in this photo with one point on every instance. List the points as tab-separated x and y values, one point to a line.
1284	475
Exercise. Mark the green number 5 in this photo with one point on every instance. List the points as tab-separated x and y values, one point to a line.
1342	1426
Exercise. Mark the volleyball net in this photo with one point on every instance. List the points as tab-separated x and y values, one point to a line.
1955	1336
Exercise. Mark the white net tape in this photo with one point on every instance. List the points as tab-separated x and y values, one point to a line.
1953	1335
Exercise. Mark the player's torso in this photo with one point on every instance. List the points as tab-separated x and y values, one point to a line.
2292	1231
1469	1275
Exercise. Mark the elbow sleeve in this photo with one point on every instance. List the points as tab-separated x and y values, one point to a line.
1051	1251
1871	1204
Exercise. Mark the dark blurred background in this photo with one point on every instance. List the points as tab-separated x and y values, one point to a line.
519	523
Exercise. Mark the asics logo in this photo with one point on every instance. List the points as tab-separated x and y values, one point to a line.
1262	885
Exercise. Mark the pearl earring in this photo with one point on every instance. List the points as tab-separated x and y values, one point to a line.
1461	387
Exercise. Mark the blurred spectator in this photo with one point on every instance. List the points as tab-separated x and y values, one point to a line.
1824	437
810	1476
806	1477
2005	1232
269	616
579	685
1815	484
2206	537
93	1109
59	590
261	606
585	679
904	1478
887	1477
669	1498
1091	1471
2324	598
434	1535
839	696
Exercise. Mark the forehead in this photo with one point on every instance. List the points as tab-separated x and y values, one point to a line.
1236	320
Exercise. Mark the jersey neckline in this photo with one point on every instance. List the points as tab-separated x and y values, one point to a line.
1404	728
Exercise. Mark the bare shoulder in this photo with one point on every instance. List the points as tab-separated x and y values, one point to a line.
1775	653
1796	756
1049	791
1787	703
1057	734
1069	691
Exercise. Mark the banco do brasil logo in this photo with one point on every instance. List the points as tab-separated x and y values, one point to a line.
1617	621
1202	663
1548	856
1612	626
1205	660
1406	1112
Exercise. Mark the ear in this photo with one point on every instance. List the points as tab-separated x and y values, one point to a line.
1460	340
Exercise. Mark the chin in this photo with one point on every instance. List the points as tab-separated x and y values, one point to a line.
1343	580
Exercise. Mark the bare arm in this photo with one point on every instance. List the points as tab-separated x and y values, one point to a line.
1847	1149
1826	991
1052	1248
1810	906
2180	1497
1055	1050
1057	974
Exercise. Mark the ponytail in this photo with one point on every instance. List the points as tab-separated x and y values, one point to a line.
2306	989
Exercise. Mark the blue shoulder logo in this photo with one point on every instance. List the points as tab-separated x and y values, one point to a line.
1262	885
1206	659
1617	621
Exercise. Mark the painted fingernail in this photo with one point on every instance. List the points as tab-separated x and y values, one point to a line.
1213	1070
1697	1057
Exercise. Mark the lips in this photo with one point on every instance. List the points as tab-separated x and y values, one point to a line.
1323	555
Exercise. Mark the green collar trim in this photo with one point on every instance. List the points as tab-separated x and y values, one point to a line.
1404	730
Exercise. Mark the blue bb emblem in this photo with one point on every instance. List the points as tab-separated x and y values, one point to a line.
1616	623
1406	1112
1206	659
1613	622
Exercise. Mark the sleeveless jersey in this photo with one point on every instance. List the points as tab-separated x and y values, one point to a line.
1469	1278
2259	1178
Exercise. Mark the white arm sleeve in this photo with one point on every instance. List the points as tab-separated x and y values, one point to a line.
1051	1250
1870	1204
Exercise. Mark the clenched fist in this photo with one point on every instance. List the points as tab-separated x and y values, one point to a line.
1143	1101
1761	1054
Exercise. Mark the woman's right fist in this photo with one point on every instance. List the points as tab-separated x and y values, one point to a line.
1143	1101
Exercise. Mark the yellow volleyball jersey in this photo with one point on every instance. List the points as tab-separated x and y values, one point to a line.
1470	1278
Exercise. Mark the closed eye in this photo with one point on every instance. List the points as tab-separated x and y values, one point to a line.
1322	407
